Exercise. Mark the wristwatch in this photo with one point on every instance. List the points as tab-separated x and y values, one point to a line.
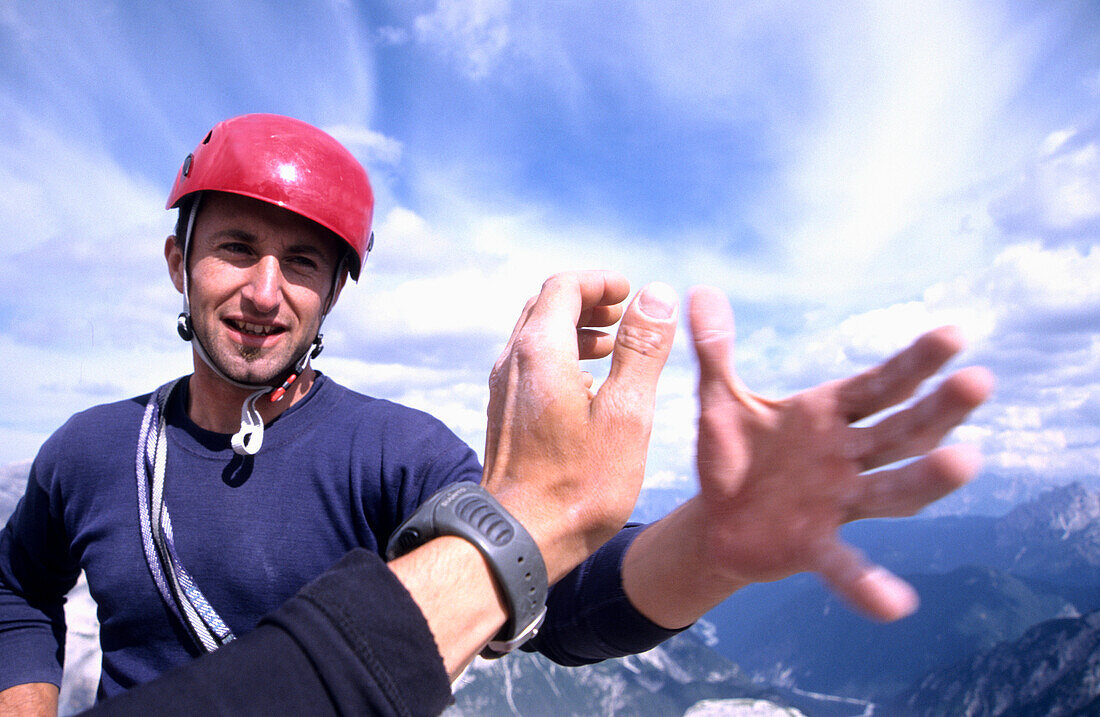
466	510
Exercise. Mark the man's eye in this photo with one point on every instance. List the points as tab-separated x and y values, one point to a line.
303	263
235	248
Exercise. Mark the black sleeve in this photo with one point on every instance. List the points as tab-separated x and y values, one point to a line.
589	618
351	642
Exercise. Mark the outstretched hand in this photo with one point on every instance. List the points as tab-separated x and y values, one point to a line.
564	461
777	479
567	462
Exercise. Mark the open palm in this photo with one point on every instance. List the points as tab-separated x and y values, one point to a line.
778	478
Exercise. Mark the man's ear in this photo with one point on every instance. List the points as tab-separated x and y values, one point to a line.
173	254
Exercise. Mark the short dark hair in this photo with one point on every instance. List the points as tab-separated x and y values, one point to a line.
184	205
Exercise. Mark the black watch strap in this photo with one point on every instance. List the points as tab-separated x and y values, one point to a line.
466	510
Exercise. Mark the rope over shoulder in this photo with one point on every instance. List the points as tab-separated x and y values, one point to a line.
176	586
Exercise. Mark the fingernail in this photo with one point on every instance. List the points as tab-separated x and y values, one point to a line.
658	301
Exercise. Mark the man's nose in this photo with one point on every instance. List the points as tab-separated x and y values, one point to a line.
264	287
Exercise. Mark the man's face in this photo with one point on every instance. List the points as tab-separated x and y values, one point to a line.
260	277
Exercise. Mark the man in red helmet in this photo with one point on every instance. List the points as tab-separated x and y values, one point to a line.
267	169
256	473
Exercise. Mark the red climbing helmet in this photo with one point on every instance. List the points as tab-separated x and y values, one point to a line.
289	163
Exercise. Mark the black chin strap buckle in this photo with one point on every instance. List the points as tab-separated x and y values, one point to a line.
183	326
318	346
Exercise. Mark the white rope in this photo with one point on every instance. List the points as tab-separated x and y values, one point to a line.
175	584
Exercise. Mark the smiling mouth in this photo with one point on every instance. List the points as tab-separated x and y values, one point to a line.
253	329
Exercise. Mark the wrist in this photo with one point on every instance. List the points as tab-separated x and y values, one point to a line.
467	511
451	583
561	533
670	574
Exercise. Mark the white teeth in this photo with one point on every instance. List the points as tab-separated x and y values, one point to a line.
254	328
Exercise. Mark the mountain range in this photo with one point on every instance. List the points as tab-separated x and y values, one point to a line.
681	676
13	481
1053	669
982	581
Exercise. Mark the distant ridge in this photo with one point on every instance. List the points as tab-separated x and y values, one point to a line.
982	580
815	642
681	676
1052	670
82	656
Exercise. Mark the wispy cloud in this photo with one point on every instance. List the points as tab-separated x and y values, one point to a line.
1058	199
474	33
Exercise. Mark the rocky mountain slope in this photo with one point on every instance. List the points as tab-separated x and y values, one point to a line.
82	654
815	642
1052	541
982	581
682	676
13	481
1052	670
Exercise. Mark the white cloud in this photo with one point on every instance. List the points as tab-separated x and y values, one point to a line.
1031	316
882	127
1037	451
669	479
1044	282
489	262
907	105
1057	197
57	381
461	406
874	117
475	32
87	308
412	247
1041	339
1069	187
671	461
368	145
456	396
52	186
471	270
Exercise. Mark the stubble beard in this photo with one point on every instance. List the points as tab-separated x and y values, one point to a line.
249	353
252	354
221	356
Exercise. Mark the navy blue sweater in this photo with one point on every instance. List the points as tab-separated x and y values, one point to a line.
337	471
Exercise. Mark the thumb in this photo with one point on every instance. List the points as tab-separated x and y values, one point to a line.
643	343
719	452
711	322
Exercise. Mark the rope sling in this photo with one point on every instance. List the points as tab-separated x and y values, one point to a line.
175	584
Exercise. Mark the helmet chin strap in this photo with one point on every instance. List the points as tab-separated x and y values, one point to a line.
248	440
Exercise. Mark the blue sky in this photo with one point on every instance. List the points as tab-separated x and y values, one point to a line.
850	173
